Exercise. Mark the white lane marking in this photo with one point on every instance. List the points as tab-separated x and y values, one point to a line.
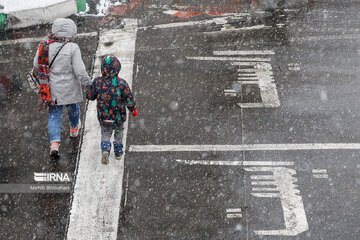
252	52
247	74
256	189
247	82
270	195
38	39
245	147
320	176
266	82
230	93
126	189
97	192
320	173
233	210
172	12
186	9
326	38
244	77
234	163
246	70
229	28
220	20
262	177
263	183
230	59
252	105
291	201
294	66
233	213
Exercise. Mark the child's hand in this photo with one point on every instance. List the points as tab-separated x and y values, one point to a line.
134	113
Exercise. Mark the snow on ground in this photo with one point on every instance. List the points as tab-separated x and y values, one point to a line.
104	5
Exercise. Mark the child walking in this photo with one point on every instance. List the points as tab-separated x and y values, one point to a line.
113	94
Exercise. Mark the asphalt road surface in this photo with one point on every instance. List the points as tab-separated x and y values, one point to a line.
247	126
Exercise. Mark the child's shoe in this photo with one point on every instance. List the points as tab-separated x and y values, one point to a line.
105	149
54	150
105	158
118	150
74	132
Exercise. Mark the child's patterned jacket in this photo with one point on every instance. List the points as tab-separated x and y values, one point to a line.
113	94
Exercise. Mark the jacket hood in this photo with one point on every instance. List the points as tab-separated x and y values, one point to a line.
64	27
110	66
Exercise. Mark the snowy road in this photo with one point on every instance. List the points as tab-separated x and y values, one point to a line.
247	129
201	167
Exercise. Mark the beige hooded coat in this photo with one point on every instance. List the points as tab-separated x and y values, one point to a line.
68	71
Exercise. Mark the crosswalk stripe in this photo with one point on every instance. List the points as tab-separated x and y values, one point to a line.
98	188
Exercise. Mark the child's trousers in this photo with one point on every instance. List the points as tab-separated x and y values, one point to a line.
106	133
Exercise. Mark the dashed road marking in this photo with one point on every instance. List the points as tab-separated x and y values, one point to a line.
320	173
233	213
294	66
230	92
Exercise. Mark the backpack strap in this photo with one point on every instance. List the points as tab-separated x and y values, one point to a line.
56	55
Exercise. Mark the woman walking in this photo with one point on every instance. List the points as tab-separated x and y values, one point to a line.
61	72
